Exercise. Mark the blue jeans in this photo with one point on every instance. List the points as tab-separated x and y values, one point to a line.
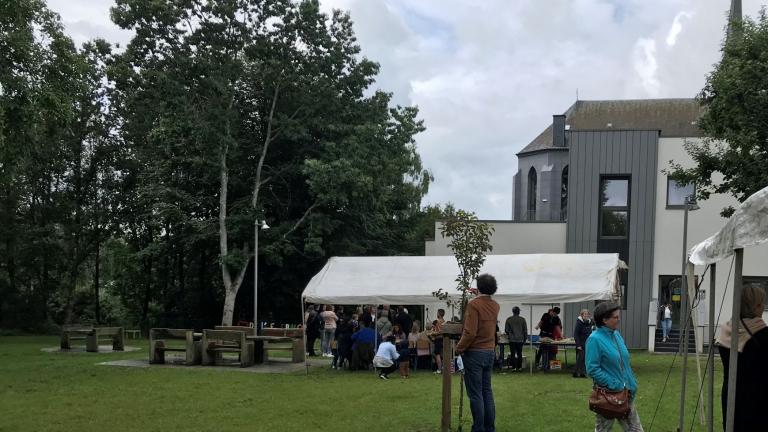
666	326
477	378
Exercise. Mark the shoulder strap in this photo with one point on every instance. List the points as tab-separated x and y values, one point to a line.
621	357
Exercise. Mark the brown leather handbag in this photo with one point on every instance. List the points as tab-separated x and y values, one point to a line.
611	404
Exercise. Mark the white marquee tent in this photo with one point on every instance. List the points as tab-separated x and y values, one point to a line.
522	279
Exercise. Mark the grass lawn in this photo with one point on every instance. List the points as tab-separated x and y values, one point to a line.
42	391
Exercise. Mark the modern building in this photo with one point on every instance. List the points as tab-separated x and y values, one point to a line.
594	181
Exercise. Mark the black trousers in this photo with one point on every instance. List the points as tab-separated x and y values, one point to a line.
387	370
516	349
580	368
311	344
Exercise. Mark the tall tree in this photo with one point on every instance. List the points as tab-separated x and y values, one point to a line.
249	111
733	156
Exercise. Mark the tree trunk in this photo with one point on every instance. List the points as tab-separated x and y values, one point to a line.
97	304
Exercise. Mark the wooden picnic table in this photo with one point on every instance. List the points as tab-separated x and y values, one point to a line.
263	344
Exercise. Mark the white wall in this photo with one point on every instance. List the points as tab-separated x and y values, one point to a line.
512	238
702	224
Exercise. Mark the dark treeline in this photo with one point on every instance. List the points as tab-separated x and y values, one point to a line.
131	177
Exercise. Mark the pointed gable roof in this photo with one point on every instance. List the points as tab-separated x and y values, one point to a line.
672	117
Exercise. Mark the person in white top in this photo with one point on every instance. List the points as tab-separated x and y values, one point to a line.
666	321
385	357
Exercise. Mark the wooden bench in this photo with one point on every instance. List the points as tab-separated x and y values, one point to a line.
217	342
114	334
134	334
91	335
294	336
158	345
72	332
295	333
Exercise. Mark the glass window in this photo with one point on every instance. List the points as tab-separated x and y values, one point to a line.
615	192
615	223
614	207
677	192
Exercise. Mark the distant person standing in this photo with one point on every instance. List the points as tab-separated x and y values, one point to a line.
437	340
517	332
404	319
581	332
546	329
477	350
329	319
666	321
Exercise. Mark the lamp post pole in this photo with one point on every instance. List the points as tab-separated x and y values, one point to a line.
257	225
684	317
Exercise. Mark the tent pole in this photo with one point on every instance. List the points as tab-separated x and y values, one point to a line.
711	356
734	355
691	286
304	333
530	362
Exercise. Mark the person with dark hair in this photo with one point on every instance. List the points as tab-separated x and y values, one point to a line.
477	350
546	329
385	357
608	365
581	332
517	332
404	319
312	322
437	340
751	375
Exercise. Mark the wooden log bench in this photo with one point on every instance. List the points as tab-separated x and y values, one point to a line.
294	336
73	332
114	334
158	345
218	342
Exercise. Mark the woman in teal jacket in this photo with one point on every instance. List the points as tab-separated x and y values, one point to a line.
608	364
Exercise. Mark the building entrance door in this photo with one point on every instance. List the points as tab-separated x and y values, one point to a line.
670	292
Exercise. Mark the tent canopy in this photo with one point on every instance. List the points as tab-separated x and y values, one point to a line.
747	227
533	278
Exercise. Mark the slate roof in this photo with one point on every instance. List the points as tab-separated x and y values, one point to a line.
673	117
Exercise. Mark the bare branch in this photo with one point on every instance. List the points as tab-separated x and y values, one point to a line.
302	219
267	140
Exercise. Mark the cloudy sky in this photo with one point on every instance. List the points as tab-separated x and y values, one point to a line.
488	75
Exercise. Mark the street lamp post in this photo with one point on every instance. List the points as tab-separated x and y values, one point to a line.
690	204
257	225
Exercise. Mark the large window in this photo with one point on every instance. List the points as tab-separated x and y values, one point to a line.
614	207
677	192
761	281
532	194
564	195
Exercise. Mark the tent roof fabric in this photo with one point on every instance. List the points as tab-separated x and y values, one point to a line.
532	278
747	227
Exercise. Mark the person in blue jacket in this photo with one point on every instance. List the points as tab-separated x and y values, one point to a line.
608	364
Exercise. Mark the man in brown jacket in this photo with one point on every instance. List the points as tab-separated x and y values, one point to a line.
477	348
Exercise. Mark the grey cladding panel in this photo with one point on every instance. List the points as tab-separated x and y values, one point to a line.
596	153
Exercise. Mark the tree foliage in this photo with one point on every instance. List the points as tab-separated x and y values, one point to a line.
470	241
128	178
733	157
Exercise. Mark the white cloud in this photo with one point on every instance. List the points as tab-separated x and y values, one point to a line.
677	27
487	76
646	66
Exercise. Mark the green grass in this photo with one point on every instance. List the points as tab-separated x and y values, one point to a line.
68	392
